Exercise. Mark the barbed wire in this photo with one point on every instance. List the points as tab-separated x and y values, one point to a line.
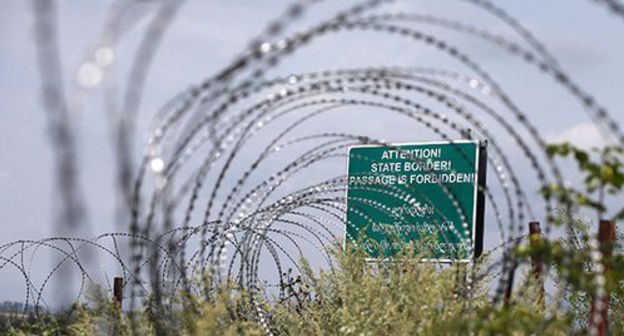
198	204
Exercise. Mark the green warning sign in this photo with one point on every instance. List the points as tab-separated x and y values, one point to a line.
401	194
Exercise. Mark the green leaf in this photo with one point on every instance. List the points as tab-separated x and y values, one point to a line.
581	157
562	149
606	173
618	179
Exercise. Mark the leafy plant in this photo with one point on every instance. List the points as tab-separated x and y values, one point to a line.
603	174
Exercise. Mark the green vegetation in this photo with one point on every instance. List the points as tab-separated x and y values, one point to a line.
603	175
403	297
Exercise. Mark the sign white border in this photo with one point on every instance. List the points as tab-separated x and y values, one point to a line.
475	195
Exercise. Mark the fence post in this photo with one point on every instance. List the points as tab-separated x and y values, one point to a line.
598	322
510	282
118	290
535	235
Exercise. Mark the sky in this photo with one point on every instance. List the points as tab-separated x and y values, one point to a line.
204	38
